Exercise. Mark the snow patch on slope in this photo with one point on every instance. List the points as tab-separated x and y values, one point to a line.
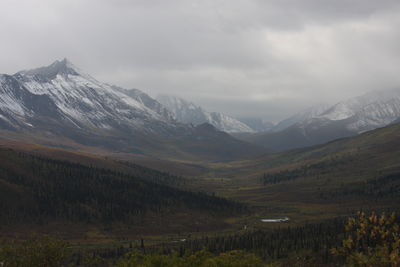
9	103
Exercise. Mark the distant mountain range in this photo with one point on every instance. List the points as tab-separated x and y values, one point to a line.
188	112
325	123
301	116
61	101
258	124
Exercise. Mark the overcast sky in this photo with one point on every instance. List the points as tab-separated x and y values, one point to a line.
263	58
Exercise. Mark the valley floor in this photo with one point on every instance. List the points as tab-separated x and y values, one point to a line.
314	186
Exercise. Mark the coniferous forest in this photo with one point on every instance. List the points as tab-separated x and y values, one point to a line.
36	189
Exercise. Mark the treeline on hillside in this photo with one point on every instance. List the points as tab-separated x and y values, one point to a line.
153	175
33	188
378	188
307	170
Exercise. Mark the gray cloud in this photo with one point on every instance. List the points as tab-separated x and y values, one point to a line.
243	57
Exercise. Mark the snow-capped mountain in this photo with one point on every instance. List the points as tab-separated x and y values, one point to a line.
187	112
304	115
366	112
81	100
227	124
61	100
258	124
347	118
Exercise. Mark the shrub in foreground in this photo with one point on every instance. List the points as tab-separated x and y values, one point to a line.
371	241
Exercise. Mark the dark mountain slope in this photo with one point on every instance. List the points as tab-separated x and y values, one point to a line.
297	136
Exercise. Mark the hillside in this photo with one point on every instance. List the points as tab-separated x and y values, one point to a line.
328	180
36	189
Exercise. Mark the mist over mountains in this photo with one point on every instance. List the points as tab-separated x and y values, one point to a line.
324	123
61	101
315	125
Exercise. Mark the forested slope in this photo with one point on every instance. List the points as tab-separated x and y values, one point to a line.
35	188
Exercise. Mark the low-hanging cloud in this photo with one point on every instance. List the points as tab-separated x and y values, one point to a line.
264	58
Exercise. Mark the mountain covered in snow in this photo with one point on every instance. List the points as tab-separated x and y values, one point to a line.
258	124
367	112
64	92
187	112
347	118
304	115
62	101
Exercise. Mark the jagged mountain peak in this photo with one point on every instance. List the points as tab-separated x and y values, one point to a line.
58	67
59	101
80	99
